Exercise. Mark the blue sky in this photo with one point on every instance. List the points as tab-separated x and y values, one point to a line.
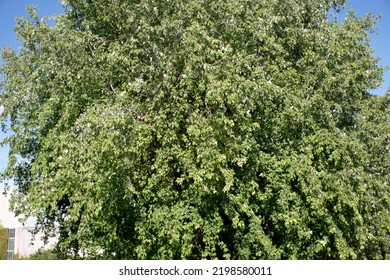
9	9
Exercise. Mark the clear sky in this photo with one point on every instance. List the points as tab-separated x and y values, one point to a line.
9	9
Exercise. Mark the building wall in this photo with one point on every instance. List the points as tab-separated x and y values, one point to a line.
25	243
7	218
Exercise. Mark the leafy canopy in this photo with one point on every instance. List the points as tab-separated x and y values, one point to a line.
200	129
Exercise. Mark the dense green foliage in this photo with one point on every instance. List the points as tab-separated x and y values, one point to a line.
3	243
200	129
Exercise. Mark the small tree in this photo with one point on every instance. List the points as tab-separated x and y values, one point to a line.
3	242
200	129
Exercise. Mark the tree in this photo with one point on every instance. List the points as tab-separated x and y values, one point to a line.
3	242
200	130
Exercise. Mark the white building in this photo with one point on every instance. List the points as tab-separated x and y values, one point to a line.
20	239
